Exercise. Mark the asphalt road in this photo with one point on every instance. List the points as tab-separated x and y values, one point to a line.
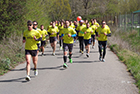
84	76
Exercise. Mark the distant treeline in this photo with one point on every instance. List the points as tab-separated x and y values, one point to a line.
15	13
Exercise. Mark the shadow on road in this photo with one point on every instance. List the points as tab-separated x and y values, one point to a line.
18	69
85	61
57	67
72	56
22	79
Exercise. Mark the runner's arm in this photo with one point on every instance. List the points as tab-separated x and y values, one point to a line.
74	35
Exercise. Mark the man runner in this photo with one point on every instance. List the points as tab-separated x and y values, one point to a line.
53	34
81	36
44	33
103	33
67	34
30	39
87	37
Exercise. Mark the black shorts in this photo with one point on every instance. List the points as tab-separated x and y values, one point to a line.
43	43
102	43
52	39
31	52
67	46
87	42
38	45
93	38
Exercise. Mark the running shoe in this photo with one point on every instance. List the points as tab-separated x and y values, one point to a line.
93	47
65	65
42	54
100	58
28	78
70	60
35	72
82	52
53	54
103	60
87	55
60	48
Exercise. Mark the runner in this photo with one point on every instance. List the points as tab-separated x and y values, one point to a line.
86	21
53	34
71	24
103	33
49	26
44	33
35	24
60	30
76	25
67	34
87	37
81	36
90	22
94	27
30	38
96	23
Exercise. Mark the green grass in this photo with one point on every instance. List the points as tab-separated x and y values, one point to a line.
127	56
132	61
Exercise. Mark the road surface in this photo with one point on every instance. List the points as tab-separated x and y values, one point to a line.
84	76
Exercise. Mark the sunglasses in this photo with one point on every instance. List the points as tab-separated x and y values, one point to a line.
29	24
103	23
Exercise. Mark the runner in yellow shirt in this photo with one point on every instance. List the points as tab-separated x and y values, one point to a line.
71	24
94	27
49	26
30	39
53	34
90	22
103	33
67	34
87	37
96	23
81	36
61	27
35	24
44	33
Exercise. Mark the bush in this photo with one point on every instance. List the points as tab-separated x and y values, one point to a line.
5	63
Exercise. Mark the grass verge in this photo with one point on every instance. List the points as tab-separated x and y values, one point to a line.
12	53
126	46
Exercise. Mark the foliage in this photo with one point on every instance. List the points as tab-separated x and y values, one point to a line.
11	12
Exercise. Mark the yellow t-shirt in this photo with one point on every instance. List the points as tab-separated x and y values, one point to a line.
72	26
94	27
66	31
49	27
79	28
88	32
96	24
90	23
60	29
101	32
30	43
37	37
43	33
54	31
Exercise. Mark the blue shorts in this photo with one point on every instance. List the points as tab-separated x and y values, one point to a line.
87	42
52	39
67	47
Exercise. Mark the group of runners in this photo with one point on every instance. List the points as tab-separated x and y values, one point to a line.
65	33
